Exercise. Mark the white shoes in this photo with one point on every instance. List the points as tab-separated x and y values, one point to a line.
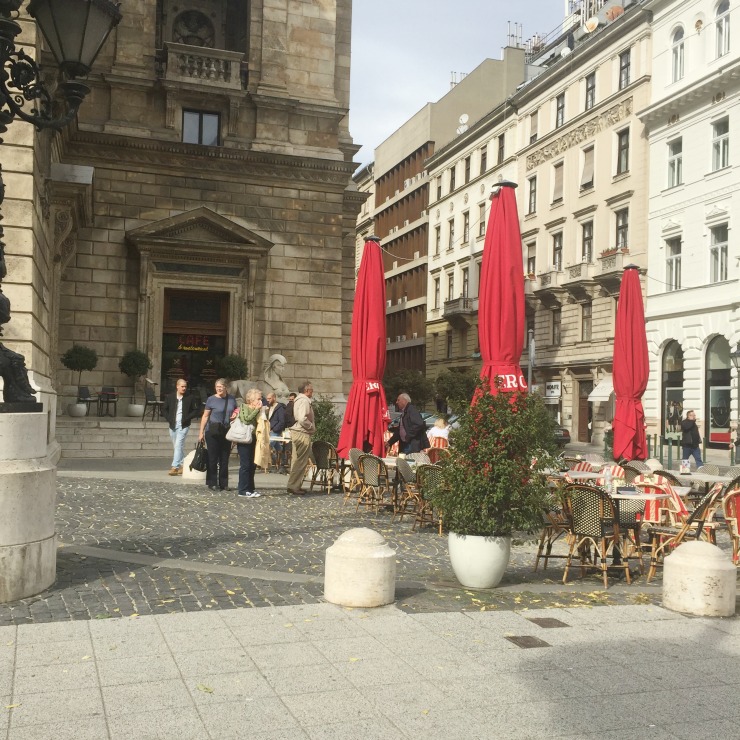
249	494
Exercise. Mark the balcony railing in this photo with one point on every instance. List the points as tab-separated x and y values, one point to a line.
199	65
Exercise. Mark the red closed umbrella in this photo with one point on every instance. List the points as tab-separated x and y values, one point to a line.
501	317
366	416
631	369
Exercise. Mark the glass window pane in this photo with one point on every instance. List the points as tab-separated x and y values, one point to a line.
190	127
210	129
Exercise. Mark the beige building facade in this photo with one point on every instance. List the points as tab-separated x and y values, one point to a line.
200	205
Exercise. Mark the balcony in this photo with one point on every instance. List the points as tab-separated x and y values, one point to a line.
550	291
611	266
579	281
207	68
459	312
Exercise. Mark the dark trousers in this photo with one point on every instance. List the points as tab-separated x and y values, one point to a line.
246	467
219	449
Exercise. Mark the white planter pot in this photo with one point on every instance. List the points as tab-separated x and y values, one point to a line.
76	409
479	562
135	409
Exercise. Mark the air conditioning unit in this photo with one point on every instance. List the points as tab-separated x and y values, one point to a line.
415	335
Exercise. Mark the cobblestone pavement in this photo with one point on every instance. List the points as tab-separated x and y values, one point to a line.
132	547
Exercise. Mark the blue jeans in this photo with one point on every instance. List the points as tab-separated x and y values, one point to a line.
688	452
178	442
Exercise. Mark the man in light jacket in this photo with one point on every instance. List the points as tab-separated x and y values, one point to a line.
300	434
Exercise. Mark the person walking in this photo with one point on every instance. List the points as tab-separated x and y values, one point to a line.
252	412
300	434
179	410
213	427
412	431
691	439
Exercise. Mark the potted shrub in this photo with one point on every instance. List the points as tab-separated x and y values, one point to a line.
492	483
135	364
79	359
231	367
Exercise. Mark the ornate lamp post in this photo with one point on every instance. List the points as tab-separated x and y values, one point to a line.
75	31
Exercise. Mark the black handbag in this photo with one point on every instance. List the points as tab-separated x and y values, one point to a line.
200	458
217	428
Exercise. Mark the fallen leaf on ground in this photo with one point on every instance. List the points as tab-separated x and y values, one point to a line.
13	706
204	688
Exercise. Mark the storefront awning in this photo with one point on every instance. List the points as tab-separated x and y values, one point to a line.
602	392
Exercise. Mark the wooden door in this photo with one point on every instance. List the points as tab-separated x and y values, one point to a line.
584	410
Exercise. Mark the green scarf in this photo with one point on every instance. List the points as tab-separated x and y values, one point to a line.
247	414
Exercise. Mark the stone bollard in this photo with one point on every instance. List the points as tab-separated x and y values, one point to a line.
192	475
699	579
360	570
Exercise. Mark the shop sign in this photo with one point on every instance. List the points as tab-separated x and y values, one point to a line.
553	388
193	343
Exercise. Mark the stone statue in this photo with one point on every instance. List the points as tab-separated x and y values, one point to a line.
272	380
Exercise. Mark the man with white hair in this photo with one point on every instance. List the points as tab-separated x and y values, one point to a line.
301	432
412	431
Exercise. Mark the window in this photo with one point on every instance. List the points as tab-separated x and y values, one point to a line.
557	180
586	312
625	61
623	151
451	241
718	253
560	110
437	239
723	28
677	56
439	187
673	264
557	251
199	127
587	241
720	144
450	286
532	194
587	176
675	163
483	159
452	178
531	258
622	228
590	91
465	282
501	149
482	219
449	345
533	127
437	292
556	324
466	227
467	170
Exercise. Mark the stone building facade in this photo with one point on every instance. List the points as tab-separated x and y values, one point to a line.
200	205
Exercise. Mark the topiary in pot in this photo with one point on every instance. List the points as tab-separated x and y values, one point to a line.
135	364
492	482
232	367
328	423
79	359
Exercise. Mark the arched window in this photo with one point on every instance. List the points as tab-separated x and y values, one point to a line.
193	28
672	377
722	29
718	392
677	55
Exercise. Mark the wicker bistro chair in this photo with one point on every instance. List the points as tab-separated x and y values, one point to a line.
151	402
107	398
427	478
731	511
435	452
557	521
420	458
355	482
375	482
84	396
709	469
670	477
693	528
409	494
594	524
326	465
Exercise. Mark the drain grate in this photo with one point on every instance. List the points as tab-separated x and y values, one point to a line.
547	622
527	641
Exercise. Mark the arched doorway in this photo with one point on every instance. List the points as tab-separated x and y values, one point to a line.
718	399
672	375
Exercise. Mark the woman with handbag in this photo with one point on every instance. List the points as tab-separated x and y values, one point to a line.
251	418
213	427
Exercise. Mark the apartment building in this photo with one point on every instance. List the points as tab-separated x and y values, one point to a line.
693	321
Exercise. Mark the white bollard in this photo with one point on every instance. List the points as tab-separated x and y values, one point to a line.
192	475
360	570
699	579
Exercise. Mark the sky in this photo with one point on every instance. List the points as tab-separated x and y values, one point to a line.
403	52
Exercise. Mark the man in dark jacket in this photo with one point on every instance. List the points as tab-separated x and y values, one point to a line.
691	439
179	410
412	431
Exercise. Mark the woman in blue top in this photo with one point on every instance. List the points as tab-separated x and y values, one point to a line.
213	426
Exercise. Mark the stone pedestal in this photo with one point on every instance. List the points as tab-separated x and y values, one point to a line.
360	570
698	578
192	475
27	503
